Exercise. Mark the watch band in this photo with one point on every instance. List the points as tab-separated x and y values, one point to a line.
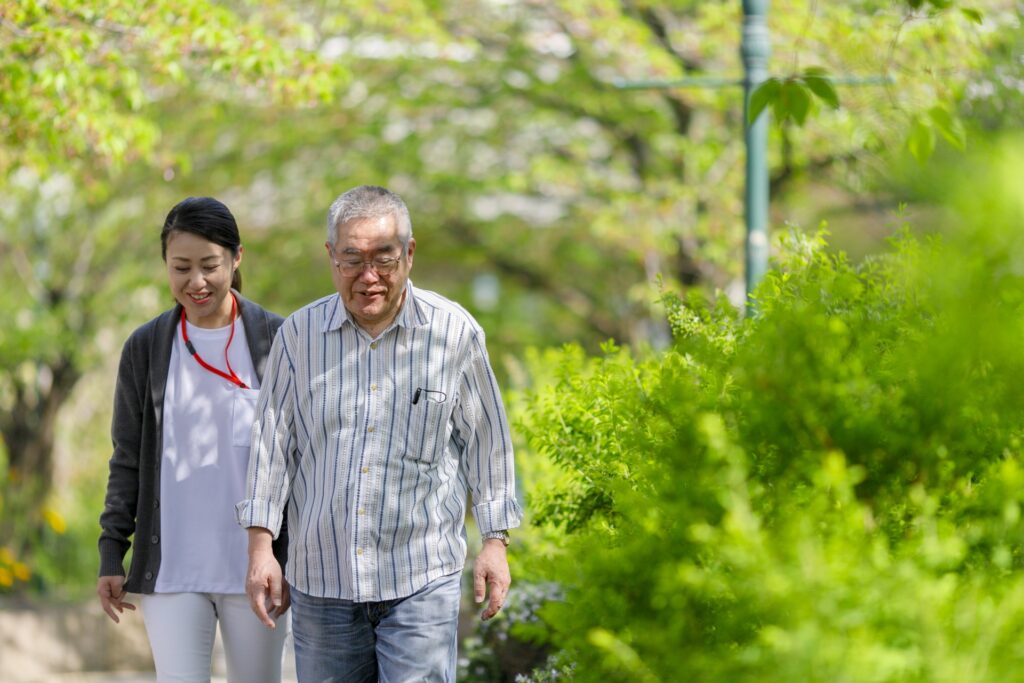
501	535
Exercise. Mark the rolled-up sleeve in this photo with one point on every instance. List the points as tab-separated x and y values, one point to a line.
273	441
487	456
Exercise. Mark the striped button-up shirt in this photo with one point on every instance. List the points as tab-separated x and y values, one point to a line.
373	445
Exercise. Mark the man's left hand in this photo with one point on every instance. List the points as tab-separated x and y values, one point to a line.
269	595
490	574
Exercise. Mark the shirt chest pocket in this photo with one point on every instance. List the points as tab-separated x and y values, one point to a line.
427	431
243	415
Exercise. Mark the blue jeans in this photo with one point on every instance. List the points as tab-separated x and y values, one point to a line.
394	641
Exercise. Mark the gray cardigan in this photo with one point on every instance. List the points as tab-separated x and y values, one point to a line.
133	488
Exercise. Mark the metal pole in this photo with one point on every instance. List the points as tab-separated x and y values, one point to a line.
755	49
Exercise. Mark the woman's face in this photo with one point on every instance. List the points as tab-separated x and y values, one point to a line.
199	273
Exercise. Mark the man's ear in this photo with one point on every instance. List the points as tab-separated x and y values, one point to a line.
410	248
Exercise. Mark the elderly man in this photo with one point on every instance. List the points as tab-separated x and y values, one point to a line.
378	413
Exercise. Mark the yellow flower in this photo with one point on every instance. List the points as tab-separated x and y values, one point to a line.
5	577
21	571
55	520
6	556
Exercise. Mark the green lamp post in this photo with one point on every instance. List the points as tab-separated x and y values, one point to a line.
755	49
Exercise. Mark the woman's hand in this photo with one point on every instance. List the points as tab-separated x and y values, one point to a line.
111	592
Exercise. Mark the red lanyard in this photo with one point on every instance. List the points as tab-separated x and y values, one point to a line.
233	378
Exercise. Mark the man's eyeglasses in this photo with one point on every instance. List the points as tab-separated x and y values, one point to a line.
382	265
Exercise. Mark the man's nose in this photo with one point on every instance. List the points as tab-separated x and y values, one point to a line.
368	273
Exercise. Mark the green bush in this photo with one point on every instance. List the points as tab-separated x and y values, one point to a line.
829	489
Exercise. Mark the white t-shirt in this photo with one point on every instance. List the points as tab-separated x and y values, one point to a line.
207	422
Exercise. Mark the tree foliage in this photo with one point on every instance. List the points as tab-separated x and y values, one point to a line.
81	87
80	77
543	196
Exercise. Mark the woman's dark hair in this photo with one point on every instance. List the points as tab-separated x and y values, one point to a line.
207	218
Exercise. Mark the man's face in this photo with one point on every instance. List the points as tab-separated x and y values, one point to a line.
372	297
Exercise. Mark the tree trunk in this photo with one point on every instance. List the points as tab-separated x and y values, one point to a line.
29	428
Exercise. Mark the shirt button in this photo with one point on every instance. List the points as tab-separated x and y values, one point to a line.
373	345
362	511
359	551
373	387
365	470
370	428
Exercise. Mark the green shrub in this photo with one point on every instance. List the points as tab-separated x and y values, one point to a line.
50	548
827	490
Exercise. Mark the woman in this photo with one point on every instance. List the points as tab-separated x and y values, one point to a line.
183	408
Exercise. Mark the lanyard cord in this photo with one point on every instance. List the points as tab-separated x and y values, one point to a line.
233	378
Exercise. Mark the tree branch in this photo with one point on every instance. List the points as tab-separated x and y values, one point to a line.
790	172
14	28
682	112
24	267
602	323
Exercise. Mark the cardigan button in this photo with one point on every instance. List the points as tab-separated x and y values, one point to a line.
155	539
156	504
149	576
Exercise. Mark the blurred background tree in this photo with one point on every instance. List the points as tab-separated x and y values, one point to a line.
83	88
543	197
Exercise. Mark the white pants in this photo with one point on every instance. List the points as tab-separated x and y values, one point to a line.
182	628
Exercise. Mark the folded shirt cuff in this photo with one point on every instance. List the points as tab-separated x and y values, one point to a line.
250	513
497	515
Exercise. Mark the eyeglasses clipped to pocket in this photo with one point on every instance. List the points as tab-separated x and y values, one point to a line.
428	396
428	428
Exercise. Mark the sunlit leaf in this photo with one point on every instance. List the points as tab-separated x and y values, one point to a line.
949	126
763	95
822	87
921	140
972	14
794	102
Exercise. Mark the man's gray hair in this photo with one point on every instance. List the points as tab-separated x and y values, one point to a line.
369	201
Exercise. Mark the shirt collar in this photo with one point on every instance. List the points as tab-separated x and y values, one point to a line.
410	315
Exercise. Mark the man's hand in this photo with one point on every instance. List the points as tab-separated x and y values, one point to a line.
111	592
263	582
490	572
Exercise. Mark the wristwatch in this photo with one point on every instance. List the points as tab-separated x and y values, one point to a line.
500	535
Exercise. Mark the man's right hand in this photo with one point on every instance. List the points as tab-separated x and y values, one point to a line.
111	592
263	583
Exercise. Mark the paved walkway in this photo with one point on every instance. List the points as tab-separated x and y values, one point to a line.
150	677
106	677
140	677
